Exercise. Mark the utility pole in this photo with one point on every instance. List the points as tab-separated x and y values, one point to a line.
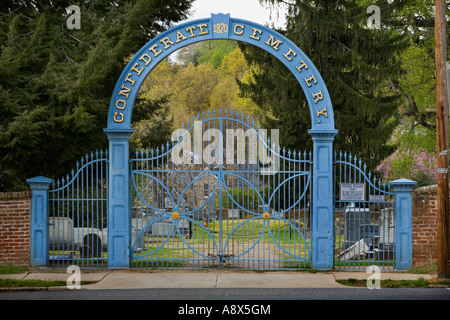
443	207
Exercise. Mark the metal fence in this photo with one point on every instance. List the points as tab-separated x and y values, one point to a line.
195	214
77	221
364	217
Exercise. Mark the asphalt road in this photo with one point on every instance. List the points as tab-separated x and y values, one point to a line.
228	303
240	294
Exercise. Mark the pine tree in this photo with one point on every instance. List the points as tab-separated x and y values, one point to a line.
355	62
57	82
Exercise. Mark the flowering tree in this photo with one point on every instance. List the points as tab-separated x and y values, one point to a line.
414	164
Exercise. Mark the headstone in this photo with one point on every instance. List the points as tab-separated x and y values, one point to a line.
356	251
161	229
387	226
233	213
355	216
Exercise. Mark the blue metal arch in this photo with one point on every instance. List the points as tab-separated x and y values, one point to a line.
220	26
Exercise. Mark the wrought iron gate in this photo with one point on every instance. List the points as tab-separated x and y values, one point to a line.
221	195
77	215
365	217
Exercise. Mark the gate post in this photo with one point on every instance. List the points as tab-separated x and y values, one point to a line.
119	229
39	220
322	220
403	189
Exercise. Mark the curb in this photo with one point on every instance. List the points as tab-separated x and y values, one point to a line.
20	289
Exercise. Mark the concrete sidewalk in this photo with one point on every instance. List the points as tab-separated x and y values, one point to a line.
140	279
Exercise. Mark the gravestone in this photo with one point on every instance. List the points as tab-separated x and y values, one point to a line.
356	215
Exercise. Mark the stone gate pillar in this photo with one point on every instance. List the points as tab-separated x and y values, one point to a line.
322	206
118	199
403	189
39	220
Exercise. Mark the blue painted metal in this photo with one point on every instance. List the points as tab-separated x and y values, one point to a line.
119	236
221	26
202	233
77	219
322	210
403	189
376	230
39	220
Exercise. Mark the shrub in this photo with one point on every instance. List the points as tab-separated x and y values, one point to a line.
416	165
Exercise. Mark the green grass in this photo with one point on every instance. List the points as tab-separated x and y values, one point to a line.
204	237
13	283
431	268
249	231
13	269
388	283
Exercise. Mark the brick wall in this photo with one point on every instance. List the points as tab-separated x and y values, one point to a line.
15	228
425	225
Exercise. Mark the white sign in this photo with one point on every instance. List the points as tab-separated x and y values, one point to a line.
376	197
353	192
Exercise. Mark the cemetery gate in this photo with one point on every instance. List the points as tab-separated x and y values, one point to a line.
238	201
318	209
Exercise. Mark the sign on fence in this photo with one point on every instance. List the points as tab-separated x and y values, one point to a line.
352	192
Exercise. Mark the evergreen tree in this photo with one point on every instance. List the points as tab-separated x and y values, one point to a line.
57	82
355	63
